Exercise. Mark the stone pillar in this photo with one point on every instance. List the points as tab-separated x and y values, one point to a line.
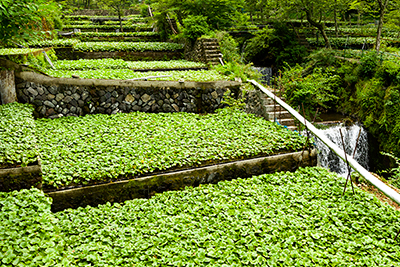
7	87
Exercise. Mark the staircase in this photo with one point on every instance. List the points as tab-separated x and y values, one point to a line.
211	51
278	114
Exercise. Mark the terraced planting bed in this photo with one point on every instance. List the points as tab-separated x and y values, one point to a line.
102	148
126	74
108	28
343	42
117	36
17	51
18	136
281	219
179	70
108	63
19	161
124	50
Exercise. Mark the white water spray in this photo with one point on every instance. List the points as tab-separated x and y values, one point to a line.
330	160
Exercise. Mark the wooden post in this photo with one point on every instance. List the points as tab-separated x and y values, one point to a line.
7	87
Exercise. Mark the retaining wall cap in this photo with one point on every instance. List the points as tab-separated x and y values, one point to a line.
42	79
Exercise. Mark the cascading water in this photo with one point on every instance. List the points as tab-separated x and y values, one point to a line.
330	160
266	73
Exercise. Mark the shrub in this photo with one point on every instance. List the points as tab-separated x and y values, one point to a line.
316	90
368	64
277	46
195	26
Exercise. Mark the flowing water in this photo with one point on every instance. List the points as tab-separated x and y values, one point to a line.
329	160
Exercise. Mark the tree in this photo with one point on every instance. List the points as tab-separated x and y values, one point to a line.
382	4
119	7
218	13
23	19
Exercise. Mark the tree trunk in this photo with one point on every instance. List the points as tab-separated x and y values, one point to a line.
319	26
336	22
120	23
382	9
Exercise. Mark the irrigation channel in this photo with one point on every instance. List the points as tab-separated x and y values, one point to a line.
333	147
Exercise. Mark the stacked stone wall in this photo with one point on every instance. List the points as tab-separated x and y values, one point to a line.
57	97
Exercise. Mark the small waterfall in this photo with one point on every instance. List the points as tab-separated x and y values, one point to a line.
329	160
266	73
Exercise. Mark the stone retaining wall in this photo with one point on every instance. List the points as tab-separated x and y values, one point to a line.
57	97
255	104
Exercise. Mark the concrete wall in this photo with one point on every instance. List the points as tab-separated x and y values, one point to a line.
7	87
146	187
56	97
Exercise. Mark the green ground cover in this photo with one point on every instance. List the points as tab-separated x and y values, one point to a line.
88	17
116	34
351	41
133	27
98	148
281	219
16	51
109	63
54	43
365	30
123	46
126	74
171	64
17	135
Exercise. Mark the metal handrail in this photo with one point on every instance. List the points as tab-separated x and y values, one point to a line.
392	194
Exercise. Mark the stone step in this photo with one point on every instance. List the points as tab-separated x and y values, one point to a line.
208	43
271	101
213	53
212	60
280	115
271	108
287	122
211	46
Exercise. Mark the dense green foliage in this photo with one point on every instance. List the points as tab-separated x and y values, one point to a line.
102	147
22	20
316	90
109	63
120	46
275	47
17	135
29	232
281	219
393	172
195	26
126	74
